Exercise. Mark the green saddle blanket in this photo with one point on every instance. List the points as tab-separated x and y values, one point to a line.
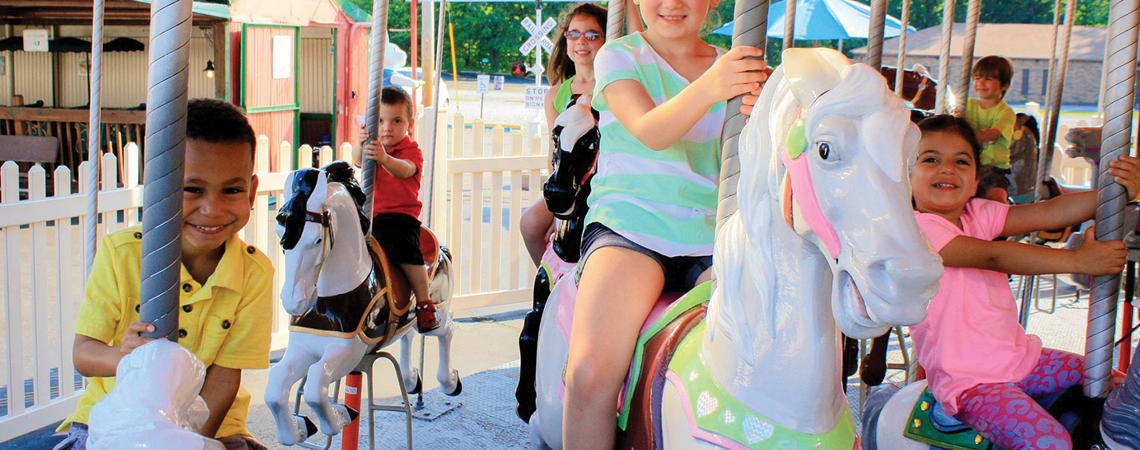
929	424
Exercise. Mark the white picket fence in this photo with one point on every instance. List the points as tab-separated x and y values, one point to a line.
482	183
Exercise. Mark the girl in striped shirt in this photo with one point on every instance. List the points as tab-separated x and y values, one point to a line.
661	96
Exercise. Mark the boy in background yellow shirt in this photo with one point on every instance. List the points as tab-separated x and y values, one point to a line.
226	288
994	122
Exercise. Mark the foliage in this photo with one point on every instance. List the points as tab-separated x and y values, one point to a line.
491	31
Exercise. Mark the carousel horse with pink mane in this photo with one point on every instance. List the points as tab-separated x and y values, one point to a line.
824	241
346	299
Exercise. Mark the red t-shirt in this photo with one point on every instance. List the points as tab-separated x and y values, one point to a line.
400	195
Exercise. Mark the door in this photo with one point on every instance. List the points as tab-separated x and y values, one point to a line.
269	84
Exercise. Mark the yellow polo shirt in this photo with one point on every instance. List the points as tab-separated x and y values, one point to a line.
226	322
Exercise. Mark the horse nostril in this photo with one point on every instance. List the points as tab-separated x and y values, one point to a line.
881	275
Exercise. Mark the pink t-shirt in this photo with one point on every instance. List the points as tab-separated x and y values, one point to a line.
971	335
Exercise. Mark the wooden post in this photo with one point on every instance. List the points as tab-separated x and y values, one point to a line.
221	69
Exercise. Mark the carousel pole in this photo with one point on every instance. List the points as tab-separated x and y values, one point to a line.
902	47
377	43
615	20
790	25
944	56
170	28
1053	58
1111	196
875	33
1057	82
751	26
94	137
430	158
1028	287
973	10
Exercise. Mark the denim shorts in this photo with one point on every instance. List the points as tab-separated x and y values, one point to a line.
681	272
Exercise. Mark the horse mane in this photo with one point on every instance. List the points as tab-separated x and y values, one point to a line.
292	213
342	172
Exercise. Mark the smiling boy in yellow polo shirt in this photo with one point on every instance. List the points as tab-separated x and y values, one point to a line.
226	291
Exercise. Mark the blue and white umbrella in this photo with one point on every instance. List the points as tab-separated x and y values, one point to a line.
821	20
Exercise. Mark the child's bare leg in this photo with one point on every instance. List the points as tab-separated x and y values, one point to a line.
417	277
616	292
536	226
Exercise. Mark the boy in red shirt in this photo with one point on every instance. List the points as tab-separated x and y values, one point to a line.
396	207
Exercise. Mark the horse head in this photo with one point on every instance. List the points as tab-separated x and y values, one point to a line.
157	405
843	186
304	225
576	137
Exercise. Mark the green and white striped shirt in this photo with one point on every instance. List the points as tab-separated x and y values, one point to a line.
662	200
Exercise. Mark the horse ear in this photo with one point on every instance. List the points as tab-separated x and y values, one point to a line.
320	192
812	71
289	180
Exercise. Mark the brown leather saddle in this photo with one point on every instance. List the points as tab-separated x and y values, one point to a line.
379	308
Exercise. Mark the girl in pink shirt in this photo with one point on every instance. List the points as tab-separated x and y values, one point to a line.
980	363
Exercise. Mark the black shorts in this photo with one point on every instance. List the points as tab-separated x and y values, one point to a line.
681	272
399	236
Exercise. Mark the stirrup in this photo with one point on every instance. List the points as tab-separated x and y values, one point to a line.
425	317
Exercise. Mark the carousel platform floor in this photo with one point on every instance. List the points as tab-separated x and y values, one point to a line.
486	354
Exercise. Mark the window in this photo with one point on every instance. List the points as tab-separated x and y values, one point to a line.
1024	82
1045	82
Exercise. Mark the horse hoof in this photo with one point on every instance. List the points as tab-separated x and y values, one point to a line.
310	427
302	429
458	388
419	385
352	413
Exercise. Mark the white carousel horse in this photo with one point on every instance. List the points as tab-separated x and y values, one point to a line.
824	237
344	301
155	403
888	410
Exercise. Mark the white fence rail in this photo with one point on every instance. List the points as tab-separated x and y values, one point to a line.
483	182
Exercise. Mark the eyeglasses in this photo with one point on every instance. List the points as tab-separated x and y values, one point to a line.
574	35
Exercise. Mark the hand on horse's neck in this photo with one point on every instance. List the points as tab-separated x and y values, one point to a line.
202	266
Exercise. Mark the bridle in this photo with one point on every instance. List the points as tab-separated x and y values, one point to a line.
803	190
324	219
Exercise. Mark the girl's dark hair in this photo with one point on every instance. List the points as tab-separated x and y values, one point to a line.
946	123
1031	123
561	67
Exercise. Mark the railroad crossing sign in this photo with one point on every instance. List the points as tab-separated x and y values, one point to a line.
537	35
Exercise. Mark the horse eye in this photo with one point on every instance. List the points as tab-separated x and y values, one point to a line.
319	240
824	150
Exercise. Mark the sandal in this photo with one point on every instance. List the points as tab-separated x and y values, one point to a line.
425	317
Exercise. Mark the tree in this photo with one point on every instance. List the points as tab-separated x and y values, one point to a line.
492	30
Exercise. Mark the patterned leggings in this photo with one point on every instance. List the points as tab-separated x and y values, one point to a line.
1006	413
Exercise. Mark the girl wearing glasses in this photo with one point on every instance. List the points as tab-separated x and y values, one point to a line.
661	97
571	72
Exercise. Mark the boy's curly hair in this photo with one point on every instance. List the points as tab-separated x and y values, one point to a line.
995	67
948	123
210	120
